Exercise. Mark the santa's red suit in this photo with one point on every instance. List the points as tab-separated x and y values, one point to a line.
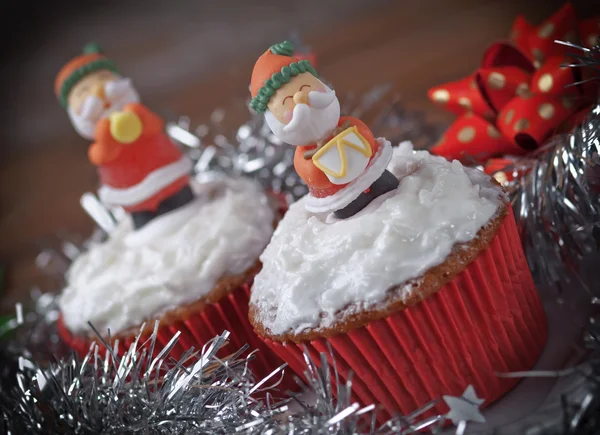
330	190
138	176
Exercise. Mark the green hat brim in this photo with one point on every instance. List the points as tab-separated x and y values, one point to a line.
278	79
78	74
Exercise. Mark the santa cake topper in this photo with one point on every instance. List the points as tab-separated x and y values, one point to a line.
140	168
338	158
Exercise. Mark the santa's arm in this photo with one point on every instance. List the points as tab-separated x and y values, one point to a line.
307	170
106	148
110	141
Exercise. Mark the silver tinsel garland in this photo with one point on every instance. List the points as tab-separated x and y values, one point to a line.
203	394
199	393
557	201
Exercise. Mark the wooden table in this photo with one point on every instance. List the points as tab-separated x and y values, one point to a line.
413	45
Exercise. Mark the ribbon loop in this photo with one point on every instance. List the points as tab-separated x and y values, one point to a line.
521	92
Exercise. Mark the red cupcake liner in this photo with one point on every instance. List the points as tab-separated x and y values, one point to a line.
230	313
488	319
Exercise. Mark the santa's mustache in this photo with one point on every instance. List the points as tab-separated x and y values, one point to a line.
321	100
302	112
116	89
93	107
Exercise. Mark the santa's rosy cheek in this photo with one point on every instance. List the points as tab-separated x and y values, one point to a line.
287	116
320	88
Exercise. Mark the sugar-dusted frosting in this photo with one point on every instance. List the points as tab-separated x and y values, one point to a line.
117	284
315	265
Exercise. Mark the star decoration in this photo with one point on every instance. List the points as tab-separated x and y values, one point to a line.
465	408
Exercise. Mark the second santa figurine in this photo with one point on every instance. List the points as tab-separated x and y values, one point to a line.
140	169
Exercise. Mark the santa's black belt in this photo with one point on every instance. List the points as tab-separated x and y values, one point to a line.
173	202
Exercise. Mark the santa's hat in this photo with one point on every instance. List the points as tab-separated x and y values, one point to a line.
272	70
77	68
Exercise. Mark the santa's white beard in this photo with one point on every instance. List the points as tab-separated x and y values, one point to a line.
119	93
309	123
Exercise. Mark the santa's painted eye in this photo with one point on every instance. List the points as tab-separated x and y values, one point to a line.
304	86
283	102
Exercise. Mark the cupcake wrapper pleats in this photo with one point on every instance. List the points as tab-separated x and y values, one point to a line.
488	319
230	313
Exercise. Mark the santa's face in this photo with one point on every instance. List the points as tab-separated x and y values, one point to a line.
96	96
303	111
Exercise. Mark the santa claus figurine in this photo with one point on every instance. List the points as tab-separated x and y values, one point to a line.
338	158
140	168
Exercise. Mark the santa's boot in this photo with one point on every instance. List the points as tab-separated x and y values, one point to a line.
383	184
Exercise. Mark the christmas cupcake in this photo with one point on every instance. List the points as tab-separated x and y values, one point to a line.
185	253
405	268
192	274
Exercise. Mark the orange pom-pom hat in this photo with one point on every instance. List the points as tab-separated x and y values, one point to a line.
274	68
90	61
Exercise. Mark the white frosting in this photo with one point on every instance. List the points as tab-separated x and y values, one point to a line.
316	266
117	286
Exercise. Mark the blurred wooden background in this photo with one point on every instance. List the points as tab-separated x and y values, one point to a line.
190	57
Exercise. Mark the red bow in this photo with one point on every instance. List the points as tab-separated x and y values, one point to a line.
518	98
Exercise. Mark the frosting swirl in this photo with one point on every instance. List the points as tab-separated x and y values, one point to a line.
118	285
